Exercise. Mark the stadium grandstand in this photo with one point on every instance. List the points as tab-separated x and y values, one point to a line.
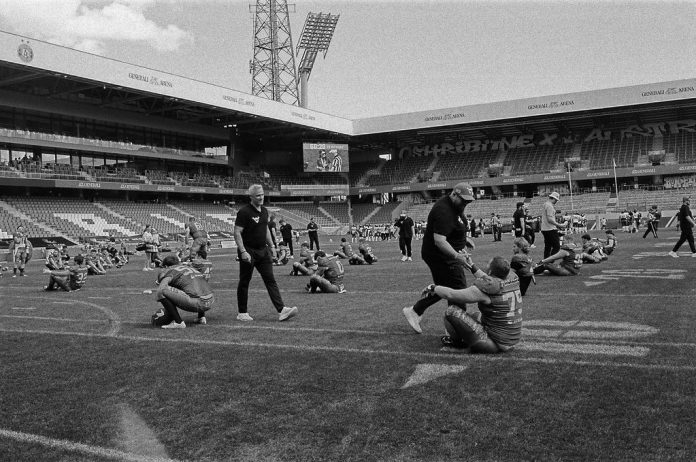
91	147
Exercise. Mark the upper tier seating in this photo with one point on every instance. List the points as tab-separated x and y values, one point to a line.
456	166
538	159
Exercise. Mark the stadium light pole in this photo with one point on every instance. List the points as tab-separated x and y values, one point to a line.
570	186
317	33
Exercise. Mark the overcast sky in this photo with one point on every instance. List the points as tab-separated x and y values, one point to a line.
391	57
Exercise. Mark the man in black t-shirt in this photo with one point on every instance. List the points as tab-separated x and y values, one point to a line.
686	225
313	234
443	249
286	233
254	246
405	225
518	220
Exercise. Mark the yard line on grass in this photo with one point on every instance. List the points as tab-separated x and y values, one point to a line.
403	292
412	354
527	334
66	445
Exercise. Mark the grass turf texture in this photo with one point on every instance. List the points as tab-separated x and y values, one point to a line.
328	384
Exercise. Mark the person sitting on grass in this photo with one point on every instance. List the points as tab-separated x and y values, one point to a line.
521	263
497	292
283	256
570	260
183	287
345	250
69	278
305	264
94	266
53	260
329	276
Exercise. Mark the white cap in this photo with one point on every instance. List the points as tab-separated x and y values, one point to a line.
555	195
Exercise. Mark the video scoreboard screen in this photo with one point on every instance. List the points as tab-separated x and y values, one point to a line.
325	157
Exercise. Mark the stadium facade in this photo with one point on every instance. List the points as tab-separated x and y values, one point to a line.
90	125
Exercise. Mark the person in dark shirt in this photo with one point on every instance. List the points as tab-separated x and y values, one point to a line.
286	233
405	225
313	234
254	246
444	240
181	286
686	226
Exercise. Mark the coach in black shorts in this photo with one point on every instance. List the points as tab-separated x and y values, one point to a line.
254	246
445	235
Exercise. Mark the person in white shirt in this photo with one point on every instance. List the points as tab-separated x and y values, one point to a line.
549	226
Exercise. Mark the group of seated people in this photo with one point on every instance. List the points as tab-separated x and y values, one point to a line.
95	259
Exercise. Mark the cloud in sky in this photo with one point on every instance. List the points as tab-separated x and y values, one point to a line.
87	25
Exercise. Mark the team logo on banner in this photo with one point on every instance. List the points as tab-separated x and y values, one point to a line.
25	52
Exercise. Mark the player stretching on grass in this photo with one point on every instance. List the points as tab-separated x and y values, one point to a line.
181	286
497	293
329	275
445	236
68	279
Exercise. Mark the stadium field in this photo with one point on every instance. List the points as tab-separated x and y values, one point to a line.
605	370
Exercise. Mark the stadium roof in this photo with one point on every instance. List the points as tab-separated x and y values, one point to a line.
37	75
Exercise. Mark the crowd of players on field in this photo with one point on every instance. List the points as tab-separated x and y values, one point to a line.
183	282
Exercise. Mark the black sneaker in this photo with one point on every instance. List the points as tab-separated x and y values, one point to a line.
448	342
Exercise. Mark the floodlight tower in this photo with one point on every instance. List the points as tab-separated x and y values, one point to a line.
316	36
273	67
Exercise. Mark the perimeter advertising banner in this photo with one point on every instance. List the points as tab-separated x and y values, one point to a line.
325	157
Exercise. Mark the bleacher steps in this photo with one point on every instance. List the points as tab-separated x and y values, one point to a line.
50	231
118	215
370	215
183	212
329	216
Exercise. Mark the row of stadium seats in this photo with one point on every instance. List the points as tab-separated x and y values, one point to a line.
79	218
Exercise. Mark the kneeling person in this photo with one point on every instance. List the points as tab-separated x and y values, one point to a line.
69	279
329	275
183	287
366	252
499	301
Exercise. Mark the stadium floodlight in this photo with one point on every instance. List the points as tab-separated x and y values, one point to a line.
317	33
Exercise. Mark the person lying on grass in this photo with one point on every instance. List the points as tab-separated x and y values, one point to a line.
499	327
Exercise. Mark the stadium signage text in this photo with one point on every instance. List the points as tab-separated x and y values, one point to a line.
437	186
240	101
88	185
687	168
197	190
517	179
401	188
597	174
166	188
550	139
130	186
367	190
554	177
152	80
643	170
551	105
667	91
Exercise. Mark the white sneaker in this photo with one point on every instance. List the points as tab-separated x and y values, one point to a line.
146	269
287	313
413	318
409	259
693	254
175	325
200	320
532	246
343	291
673	254
244	317
404	258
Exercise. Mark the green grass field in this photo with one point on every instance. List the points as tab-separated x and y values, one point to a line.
605	371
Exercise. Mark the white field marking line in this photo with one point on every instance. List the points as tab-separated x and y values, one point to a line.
100	298
66	445
403	292
24	308
539	339
113	318
415	354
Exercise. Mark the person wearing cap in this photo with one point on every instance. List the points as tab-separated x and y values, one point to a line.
549	226
686	225
254	245
444	248
405	225
313	234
